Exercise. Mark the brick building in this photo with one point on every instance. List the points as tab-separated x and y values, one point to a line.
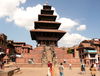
3	46
22	49
13	51
89	51
3	42
6	48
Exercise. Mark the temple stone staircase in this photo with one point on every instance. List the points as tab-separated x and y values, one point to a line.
41	55
48	55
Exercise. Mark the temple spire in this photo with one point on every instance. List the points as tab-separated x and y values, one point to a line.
46	2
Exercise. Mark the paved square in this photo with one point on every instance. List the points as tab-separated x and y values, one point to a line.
43	72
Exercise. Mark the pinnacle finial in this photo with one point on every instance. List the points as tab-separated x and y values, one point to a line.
46	2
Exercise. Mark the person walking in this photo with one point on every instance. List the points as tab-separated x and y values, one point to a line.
0	64
93	70
61	69
95	65
49	68
70	66
83	68
99	67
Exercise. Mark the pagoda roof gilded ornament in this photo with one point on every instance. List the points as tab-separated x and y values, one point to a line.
46	2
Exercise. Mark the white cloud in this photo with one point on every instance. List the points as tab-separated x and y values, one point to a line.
7	7
25	17
55	12
81	28
19	15
71	39
67	23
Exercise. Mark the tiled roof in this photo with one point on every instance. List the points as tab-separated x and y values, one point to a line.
6	57
47	30
17	45
26	46
20	42
48	22
46	15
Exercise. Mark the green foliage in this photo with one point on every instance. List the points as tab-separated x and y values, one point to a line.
70	51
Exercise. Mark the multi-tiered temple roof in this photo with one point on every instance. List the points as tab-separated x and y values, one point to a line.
46	29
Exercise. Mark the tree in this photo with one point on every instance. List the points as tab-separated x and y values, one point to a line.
70	51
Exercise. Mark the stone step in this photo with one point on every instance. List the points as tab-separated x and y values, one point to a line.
9	72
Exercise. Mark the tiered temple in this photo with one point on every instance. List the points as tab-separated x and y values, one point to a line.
46	29
46	33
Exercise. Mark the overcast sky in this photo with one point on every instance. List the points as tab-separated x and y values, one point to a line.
79	18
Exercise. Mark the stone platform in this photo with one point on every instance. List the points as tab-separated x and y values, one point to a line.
9	71
44	70
44	65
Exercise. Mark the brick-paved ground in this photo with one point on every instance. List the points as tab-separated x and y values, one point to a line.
43	72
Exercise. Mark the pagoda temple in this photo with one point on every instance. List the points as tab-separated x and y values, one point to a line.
46	28
47	35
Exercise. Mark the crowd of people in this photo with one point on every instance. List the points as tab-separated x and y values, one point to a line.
51	71
93	68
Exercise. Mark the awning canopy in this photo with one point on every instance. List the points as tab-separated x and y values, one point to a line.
91	51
